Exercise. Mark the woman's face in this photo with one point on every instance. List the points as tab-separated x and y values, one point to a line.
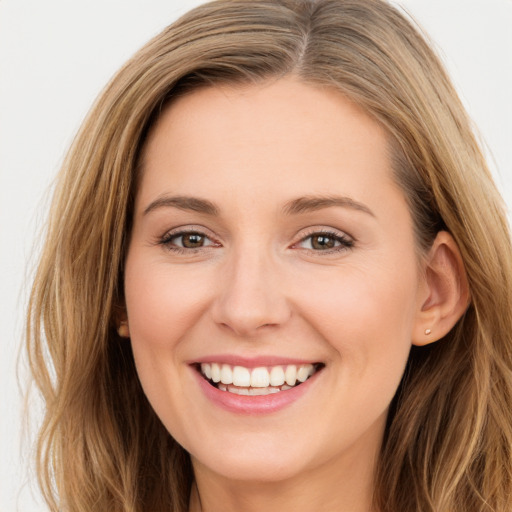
270	238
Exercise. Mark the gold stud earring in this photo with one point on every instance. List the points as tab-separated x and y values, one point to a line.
123	330
428	331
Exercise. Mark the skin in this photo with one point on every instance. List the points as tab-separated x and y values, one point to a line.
259	287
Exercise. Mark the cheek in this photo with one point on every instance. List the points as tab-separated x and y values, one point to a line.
366	313
162	304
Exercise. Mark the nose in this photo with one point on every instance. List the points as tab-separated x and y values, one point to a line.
250	295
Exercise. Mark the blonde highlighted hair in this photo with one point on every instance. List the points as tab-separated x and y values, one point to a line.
448	441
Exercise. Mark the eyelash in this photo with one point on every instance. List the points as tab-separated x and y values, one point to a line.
167	241
344	242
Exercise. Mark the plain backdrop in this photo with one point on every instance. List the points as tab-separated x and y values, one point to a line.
56	55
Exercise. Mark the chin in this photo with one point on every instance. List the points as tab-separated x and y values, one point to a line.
256	462
249	469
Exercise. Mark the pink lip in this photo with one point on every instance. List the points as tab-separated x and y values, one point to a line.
250	362
253	405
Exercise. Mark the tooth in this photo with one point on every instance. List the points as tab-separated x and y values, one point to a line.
290	374
260	378
241	376
226	375
206	370
303	372
262	391
277	376
258	391
215	372
238	391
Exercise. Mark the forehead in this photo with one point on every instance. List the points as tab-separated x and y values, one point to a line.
280	135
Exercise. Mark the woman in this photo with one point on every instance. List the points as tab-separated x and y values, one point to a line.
277	272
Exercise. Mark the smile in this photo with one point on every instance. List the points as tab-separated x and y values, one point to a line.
257	381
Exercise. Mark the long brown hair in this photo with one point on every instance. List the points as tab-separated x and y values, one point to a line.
448	442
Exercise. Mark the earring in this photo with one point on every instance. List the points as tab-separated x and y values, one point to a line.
123	330
428	331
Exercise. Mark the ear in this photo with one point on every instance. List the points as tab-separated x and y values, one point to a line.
121	321
123	329
444	291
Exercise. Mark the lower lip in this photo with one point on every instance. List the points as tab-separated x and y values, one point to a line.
259	404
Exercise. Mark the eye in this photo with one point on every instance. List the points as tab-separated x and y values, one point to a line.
190	240
186	240
326	242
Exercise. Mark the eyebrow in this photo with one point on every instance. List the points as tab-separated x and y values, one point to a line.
294	207
194	204
312	203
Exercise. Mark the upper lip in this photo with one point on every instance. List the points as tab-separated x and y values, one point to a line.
252	362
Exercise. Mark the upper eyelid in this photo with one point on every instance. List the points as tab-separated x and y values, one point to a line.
181	230
325	230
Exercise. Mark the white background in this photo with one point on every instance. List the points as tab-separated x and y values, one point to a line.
56	55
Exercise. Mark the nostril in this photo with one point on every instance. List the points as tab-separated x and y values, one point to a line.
246	329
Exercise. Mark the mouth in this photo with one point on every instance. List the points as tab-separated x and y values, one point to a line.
262	380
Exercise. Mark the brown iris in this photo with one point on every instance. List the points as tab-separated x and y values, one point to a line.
192	240
322	242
